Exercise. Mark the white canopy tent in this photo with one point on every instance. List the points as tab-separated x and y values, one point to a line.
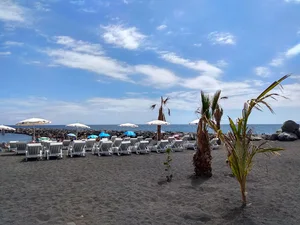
194	122
158	122
3	127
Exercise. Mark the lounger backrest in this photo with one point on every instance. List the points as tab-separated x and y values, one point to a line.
133	141
163	144
152	142
46	144
113	138
124	145
178	143
55	147
66	143
13	144
171	140
90	143
185	138
78	146
21	146
140	138
148	139
127	139
117	142
34	149
143	145
105	146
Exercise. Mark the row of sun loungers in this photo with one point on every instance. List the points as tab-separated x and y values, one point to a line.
118	146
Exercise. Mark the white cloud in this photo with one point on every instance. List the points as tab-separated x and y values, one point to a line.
197	44
161	27
178	13
262	71
79	46
88	10
294	51
5	53
296	77
293	1
125	2
13	43
157	76
40	6
77	2
221	63
94	63
123	37
200	65
222	38
11	11
278	61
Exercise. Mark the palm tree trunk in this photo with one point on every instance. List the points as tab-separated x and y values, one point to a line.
202	157
243	191
158	132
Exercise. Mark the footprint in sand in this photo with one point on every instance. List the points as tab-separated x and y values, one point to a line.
43	217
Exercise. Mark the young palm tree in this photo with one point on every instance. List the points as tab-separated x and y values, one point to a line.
202	157
238	141
161	114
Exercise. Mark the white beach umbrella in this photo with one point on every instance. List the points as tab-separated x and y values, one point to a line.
158	122
33	122
195	122
78	125
128	125
3	127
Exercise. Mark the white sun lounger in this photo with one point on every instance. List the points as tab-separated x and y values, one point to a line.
176	146
34	151
113	138
161	146
105	148
116	144
89	144
133	145
140	138
66	144
55	149
21	148
171	140
152	145
76	148
142	147
13	146
214	143
124	148
96	146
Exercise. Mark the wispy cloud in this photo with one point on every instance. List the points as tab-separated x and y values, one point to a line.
123	37
88	10
262	71
41	6
13	43
125	2
200	65
79	46
11	11
278	61
77	2
158	77
293	51
221	63
292	1
197	44
5	53
222	38
161	27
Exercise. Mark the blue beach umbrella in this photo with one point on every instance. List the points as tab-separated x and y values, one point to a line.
71	135
130	134
92	136
103	134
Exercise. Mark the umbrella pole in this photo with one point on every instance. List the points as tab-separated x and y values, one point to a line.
33	133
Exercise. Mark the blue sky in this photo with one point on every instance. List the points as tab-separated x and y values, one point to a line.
106	62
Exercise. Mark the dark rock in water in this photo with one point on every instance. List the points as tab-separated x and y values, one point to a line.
284	136
290	126
274	137
297	132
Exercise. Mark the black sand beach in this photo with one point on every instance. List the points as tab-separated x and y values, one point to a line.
126	190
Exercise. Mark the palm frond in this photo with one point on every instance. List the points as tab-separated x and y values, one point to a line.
215	101
169	112
166	100
153	106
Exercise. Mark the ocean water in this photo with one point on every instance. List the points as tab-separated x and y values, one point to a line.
257	129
